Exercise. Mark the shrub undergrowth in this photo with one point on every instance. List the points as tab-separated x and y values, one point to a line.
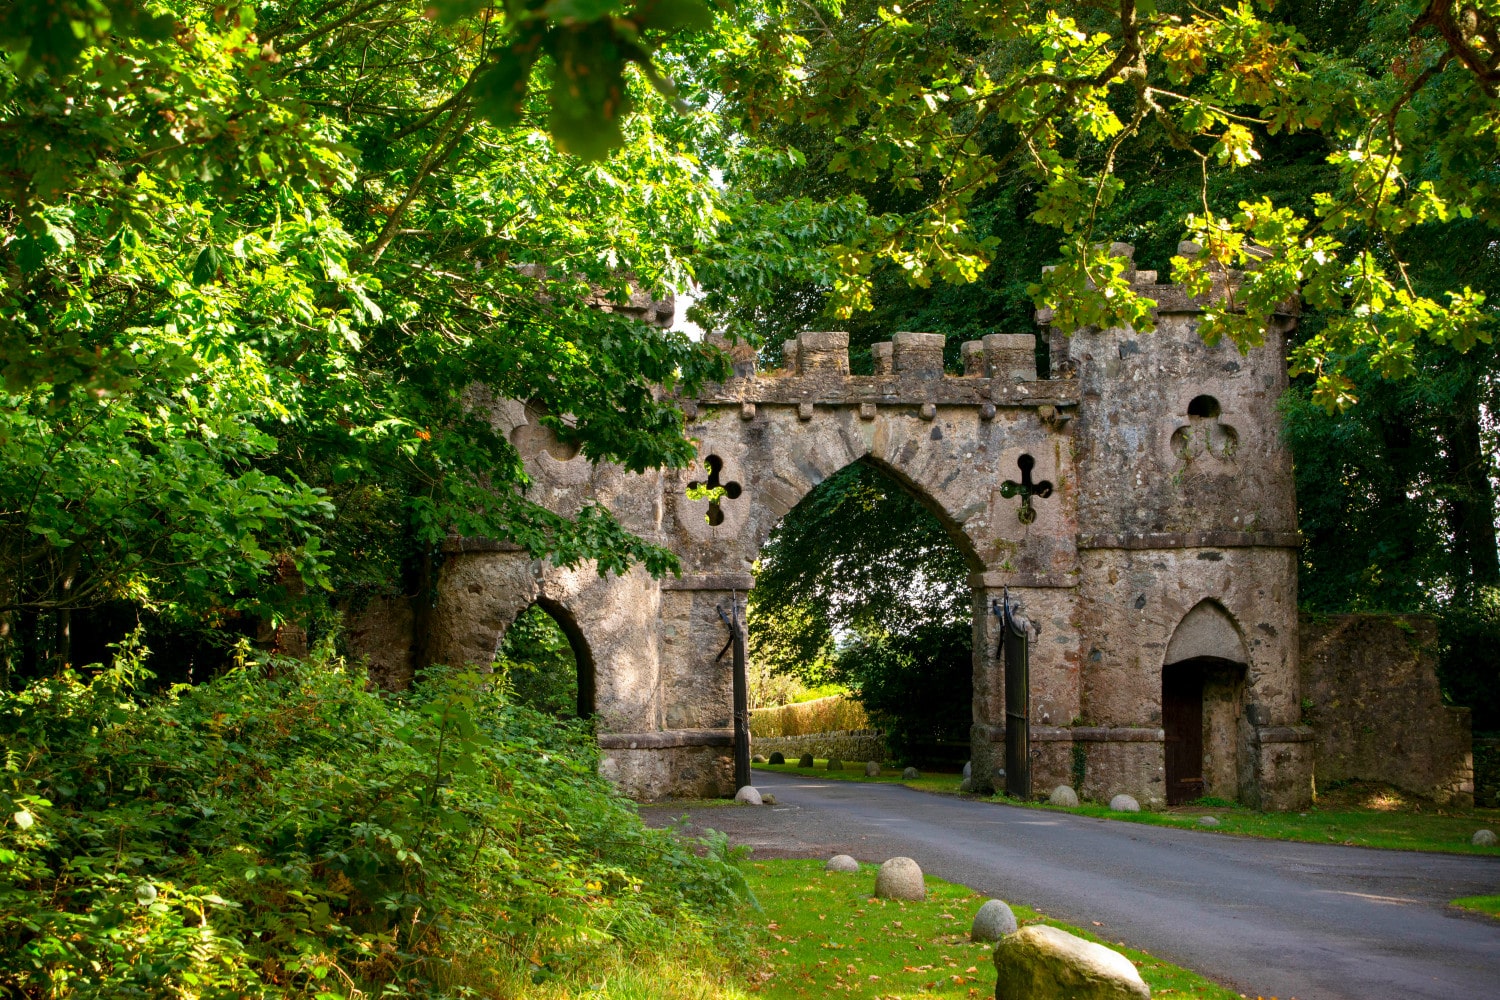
282	832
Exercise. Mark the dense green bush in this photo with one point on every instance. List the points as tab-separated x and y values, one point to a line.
281	832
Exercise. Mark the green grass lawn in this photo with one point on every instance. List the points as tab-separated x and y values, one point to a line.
1358	814
1480	904
825	934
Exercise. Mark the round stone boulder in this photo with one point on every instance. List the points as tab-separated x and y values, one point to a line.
1063	795
872	769
778	757
968	769
749	796
806	760
993	922
910	774
1483	838
759	758
834	764
900	878
1208	821
1041	961
966	786
1123	803
841	863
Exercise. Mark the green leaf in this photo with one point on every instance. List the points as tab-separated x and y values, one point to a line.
206	267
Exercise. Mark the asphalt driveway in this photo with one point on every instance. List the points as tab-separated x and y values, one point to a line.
1269	918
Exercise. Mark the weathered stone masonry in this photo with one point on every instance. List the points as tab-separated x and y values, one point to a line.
1168	537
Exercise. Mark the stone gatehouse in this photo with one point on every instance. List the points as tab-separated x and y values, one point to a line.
1139	502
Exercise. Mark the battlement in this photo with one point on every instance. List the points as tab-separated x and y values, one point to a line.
999	370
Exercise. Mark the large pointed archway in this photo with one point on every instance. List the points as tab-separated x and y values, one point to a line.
862	586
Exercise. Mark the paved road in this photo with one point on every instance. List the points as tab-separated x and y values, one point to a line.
1268	918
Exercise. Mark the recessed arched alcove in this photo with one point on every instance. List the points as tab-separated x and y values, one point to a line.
1202	706
547	662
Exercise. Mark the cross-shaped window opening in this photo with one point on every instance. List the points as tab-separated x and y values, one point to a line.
714	491
1026	489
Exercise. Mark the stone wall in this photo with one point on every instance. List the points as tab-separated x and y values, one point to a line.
1371	694
848	745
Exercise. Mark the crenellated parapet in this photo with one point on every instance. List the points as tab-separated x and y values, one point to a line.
999	372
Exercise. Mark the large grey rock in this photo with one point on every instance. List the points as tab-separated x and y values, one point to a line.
910	774
1123	803
993	921
968	769
806	760
1044	963
1208	821
900	878
872	769
841	863
748	796
1483	838
1063	795
834	764
759	758
778	757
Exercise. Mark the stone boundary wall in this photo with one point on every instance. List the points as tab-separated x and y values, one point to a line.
848	745
1371	695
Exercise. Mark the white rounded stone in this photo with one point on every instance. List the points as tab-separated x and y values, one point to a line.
841	863
900	878
968	769
1044	963
1483	838
749	795
1063	795
1123	803
910	774
993	921
872	769
1208	821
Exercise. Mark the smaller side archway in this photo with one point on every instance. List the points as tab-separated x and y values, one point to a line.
1202	707
550	663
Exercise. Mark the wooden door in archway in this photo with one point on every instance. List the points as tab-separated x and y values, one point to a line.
1182	722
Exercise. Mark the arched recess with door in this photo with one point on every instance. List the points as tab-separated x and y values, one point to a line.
1203	681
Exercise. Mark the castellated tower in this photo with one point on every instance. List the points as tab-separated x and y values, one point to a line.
1186	534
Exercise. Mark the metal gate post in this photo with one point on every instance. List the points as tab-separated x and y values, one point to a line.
1015	644
741	691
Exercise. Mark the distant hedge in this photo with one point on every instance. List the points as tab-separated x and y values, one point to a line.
835	713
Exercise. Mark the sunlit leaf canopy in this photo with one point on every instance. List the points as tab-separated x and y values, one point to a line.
944	98
289	238
258	262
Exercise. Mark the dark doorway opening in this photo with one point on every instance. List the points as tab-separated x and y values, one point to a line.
1182	722
547	663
